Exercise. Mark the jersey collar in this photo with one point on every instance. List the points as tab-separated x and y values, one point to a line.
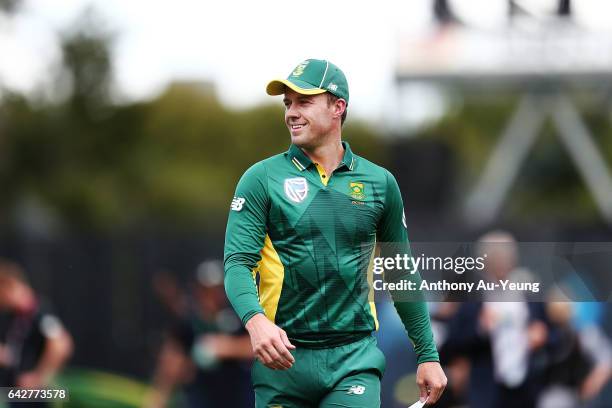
302	162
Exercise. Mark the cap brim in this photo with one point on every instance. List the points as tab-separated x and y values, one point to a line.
278	87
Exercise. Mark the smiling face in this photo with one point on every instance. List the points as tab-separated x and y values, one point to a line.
311	119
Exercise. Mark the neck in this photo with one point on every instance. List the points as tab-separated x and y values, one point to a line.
328	155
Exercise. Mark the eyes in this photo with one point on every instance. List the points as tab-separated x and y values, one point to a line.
298	102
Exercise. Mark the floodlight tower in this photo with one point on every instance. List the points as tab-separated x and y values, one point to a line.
539	54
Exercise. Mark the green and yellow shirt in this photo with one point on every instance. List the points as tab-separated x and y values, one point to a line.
299	242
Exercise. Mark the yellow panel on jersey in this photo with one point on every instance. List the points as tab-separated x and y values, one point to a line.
271	275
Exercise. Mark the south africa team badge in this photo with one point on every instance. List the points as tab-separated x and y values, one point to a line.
356	190
296	189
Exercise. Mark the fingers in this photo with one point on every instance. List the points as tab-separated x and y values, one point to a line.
275	354
267	360
432	392
283	348
270	343
281	355
423	393
431	381
435	391
286	341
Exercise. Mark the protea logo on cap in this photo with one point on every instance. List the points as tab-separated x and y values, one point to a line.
299	70
312	77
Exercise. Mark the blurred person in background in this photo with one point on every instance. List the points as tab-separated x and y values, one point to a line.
34	345
206	351
517	330
170	294
500	337
579	355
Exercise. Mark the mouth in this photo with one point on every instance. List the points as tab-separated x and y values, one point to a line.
296	128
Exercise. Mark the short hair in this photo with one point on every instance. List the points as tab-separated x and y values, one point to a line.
11	273
499	243
331	99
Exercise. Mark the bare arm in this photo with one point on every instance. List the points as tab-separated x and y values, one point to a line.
4	356
56	352
225	347
173	368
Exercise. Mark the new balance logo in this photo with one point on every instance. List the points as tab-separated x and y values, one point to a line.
356	390
237	203
332	87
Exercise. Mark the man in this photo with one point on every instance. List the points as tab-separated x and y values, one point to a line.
501	334
207	351
35	345
305	223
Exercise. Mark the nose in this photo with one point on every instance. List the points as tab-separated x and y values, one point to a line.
292	112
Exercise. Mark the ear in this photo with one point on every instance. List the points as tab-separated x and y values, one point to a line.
339	107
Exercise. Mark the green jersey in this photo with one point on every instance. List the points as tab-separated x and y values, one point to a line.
298	244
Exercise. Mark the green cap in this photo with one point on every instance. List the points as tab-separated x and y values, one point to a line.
312	77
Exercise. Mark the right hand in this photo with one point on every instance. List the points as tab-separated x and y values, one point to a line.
270	343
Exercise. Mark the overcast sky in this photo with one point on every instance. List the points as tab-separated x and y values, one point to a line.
240	45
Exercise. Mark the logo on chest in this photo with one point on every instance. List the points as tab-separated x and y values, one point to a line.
356	190
296	189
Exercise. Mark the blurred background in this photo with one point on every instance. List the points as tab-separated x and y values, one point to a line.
124	127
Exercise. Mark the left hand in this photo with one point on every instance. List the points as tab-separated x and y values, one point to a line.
431	381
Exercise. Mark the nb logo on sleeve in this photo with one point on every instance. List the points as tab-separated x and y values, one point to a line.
356	389
237	203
